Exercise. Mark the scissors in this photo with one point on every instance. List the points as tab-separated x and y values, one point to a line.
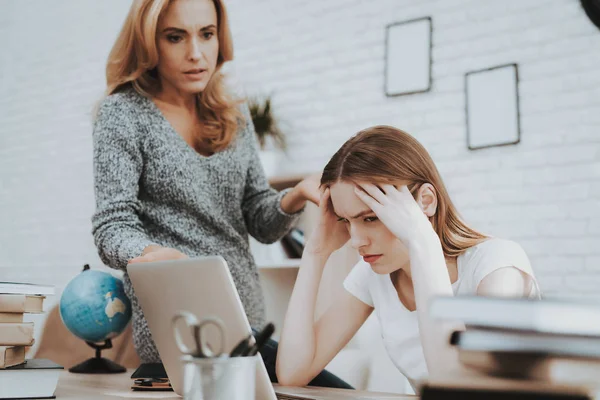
202	348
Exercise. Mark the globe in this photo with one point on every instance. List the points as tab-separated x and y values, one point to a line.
94	307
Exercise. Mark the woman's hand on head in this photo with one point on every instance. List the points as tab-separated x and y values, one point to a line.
329	233
397	209
158	253
309	188
306	190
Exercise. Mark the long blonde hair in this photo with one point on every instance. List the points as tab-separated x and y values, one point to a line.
134	57
384	154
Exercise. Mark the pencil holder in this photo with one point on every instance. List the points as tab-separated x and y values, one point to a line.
231	378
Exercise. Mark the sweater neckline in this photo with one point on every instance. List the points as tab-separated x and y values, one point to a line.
156	110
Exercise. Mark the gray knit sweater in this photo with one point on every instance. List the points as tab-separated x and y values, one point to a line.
153	188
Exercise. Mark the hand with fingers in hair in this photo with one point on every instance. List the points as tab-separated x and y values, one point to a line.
399	211
328	235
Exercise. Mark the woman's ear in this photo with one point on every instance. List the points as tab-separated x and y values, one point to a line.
427	199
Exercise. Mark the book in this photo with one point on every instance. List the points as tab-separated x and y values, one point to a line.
549	316
291	248
298	236
16	334
11	356
25	288
474	385
530	366
11	317
511	341
293	243
18	303
446	393
36	378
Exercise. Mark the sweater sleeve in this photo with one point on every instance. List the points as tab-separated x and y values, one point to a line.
118	232
265	219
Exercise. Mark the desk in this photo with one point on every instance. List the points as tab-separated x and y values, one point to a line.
103	387
117	386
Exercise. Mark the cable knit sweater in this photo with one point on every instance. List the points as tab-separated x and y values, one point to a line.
153	188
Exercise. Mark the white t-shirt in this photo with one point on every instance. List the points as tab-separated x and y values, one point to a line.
399	326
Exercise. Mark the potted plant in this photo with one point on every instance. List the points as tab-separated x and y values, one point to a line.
270	137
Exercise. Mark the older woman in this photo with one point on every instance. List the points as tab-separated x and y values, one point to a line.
175	157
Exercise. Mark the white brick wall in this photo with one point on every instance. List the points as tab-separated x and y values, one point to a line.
52	57
324	63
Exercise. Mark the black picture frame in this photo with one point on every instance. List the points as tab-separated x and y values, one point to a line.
592	10
388	28
515	66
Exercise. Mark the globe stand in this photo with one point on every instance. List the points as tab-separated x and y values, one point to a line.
98	364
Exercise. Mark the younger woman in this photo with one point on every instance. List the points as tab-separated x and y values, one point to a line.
382	192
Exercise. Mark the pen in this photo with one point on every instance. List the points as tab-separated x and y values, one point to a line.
242	346
261	339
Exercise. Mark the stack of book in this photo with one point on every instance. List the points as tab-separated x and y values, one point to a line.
293	243
21	378
530	348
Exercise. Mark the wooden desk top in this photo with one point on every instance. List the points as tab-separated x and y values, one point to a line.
118	386
103	386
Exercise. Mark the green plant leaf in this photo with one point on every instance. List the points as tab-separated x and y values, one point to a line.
265	123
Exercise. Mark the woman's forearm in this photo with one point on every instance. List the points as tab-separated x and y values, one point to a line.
297	347
430	279
293	201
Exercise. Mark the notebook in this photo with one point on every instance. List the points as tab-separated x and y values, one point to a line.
37	378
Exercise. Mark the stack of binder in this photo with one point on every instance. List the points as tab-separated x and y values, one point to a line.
551	348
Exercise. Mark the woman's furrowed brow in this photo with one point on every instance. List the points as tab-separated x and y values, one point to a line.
362	213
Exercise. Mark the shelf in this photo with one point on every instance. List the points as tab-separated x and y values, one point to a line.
283	264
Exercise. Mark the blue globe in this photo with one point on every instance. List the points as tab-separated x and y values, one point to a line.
94	306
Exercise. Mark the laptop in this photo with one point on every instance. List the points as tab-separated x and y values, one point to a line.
204	287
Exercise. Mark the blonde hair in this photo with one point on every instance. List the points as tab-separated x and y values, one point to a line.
134	57
384	154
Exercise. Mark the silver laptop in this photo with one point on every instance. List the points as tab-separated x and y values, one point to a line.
204	287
